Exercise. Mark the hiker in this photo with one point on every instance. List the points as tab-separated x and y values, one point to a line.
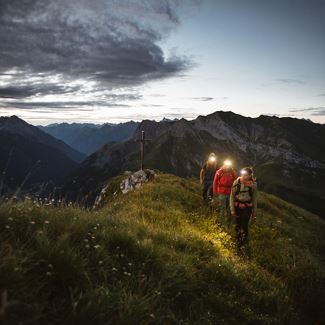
243	205
206	176
223	180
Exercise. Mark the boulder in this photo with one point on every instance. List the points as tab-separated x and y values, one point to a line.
136	180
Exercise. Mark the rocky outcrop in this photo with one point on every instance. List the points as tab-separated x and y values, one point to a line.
129	184
136	180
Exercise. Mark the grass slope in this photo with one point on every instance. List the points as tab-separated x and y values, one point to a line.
155	256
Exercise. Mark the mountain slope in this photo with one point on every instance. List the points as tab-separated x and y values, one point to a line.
155	256
287	154
15	125
88	138
30	164
30	158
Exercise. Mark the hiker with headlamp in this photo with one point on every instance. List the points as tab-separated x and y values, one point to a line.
223	180
243	205
207	173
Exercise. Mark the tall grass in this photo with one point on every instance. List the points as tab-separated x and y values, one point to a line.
156	256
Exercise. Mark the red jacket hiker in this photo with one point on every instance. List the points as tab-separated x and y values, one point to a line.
223	180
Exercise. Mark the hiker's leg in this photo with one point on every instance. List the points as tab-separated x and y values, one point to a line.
228	214
239	229
204	191
222	203
210	192
246	216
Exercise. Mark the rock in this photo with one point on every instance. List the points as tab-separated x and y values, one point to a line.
132	182
100	197
136	180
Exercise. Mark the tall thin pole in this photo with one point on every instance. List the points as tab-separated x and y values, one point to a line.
142	140
142	149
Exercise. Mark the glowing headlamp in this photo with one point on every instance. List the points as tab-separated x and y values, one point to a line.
212	159
227	163
244	172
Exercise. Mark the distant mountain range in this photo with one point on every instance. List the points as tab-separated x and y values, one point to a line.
31	158
287	154
88	138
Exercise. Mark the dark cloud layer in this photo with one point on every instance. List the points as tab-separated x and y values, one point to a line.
25	91
96	39
114	43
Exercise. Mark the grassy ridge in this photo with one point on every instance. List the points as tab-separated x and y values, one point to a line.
155	256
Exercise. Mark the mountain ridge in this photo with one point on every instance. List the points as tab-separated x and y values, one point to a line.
286	153
87	137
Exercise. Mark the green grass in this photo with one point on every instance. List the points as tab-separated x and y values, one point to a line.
155	256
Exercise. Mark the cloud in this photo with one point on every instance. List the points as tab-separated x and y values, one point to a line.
25	91
314	111
282	81
100	39
291	81
203	99
321	94
104	45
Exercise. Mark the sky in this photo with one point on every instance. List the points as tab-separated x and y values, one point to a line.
118	60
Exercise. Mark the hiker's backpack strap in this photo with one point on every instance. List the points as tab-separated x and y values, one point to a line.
238	185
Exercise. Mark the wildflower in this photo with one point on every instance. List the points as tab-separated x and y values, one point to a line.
46	222
114	269
86	240
32	222
100	262
152	315
130	264
7	226
95	228
87	246
93	237
50	266
10	219
40	232
97	246
48	273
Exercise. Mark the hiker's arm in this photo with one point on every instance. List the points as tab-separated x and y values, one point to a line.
254	200
202	173
215	183
232	199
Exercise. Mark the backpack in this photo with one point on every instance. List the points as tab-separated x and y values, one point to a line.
238	185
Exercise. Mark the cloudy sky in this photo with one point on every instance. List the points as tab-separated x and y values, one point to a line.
116	60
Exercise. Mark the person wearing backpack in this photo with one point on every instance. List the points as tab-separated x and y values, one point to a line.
207	173
222	184
243	205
